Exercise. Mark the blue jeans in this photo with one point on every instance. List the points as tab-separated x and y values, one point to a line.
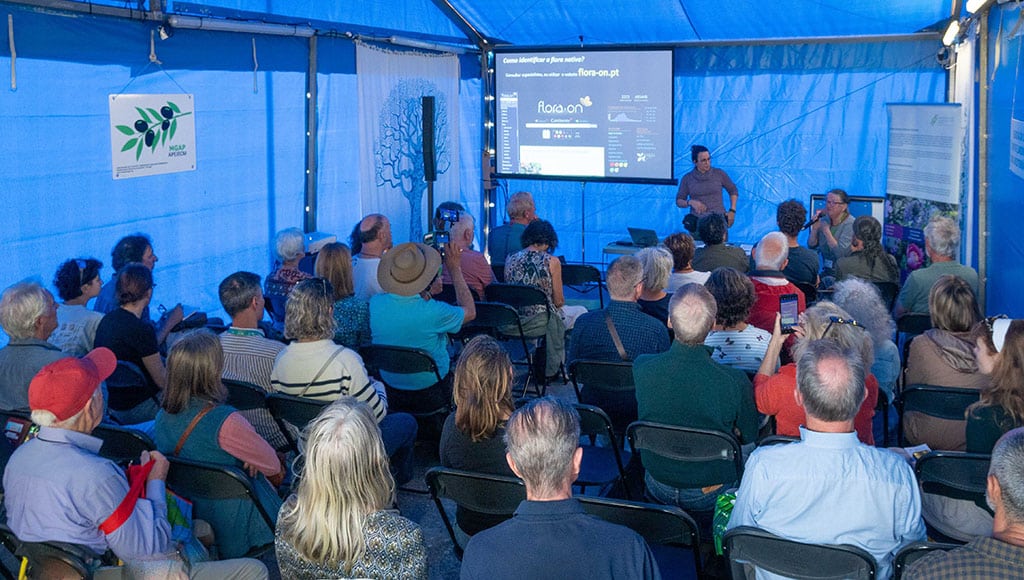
398	430
689	499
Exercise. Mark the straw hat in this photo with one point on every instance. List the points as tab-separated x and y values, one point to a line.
407	269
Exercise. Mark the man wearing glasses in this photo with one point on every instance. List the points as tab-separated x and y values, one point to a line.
832	233
701	189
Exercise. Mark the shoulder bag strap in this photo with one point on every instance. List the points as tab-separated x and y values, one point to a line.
191	426
321	371
615	337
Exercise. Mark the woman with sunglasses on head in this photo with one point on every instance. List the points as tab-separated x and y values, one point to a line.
77	281
832	233
774	391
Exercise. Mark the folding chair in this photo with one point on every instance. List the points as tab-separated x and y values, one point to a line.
810	292
601	465
608	385
493	495
245	396
53	559
127	377
941	402
720	452
519	296
499	273
670	532
293	414
199	480
776	440
956	475
913	552
909	326
402	360
491	318
584	279
748	548
888	291
121	445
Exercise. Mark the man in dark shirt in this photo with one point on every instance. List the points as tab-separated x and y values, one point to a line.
1002	555
550	535
714	233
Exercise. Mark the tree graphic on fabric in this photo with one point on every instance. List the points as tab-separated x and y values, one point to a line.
399	149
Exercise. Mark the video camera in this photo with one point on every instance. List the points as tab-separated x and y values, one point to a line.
443	221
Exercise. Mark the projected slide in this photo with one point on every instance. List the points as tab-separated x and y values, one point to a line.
584	114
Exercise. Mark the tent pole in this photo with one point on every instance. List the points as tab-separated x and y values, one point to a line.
983	133
309	222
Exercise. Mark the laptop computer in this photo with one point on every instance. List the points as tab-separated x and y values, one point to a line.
643	238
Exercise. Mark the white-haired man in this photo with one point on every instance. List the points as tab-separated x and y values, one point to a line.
59	479
685	386
475	269
771	255
28	315
504	239
1002	555
941	242
830	488
550	535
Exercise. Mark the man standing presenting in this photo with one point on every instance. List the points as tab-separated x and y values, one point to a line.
551	536
829	488
370	239
701	189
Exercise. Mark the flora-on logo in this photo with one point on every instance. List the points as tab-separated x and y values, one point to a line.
152	128
556	108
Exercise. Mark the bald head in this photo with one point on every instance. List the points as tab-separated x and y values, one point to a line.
830	381
372	235
772	252
691	313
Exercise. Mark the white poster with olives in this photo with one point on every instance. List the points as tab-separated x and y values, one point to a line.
152	134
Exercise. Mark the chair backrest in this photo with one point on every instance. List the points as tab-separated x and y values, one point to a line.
126	375
954	474
776	440
479	492
491	318
57	560
809	290
913	552
747	547
943	402
687	445
499	272
515	295
658	524
602	375
122	445
595	422
399	360
295	411
243	395
583	278
889	291
913	323
199	480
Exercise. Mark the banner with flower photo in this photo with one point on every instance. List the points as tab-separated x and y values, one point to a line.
905	219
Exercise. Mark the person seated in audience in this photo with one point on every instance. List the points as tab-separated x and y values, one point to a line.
735	343
803	264
473	438
1002	554
28	315
657	267
830	488
133	341
405	315
371	238
351	313
714	232
77	282
441	224
636	333
59	478
685	386
1000	352
313	366
535	266
868	259
475	269
248	355
682	248
136	248
863	302
551	536
941	242
504	240
944	356
770	284
194	423
832	234
774	391
289	248
341	522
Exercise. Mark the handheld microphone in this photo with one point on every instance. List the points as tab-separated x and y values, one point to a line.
814	220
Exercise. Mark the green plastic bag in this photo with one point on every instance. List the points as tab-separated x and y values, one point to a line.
723	511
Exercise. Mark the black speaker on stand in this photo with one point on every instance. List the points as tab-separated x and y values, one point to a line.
429	162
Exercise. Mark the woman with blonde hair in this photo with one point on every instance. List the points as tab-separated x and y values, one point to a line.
774	391
473	437
340	522
944	356
351	313
194	423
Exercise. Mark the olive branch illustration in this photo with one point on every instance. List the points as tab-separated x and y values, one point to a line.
152	128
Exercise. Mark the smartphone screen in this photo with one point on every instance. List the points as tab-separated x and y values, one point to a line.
789	308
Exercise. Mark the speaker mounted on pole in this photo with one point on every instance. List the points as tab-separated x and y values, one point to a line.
429	161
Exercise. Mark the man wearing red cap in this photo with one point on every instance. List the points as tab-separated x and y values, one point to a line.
58	489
